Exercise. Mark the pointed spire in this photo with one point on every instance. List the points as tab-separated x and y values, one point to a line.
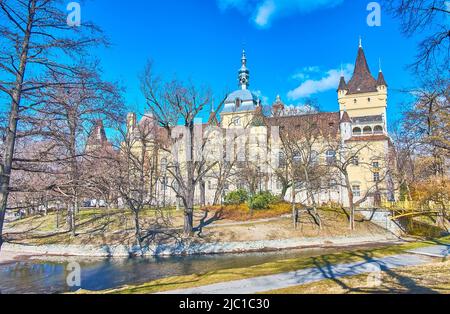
381	81
362	80
345	117
342	84
244	73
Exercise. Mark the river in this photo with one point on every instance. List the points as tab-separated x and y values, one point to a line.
48	275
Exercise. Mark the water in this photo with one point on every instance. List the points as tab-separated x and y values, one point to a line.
49	276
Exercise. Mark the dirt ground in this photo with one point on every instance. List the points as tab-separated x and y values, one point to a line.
101	227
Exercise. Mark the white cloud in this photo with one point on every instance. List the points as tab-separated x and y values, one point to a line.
329	80
263	12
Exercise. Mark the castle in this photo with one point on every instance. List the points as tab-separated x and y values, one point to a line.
360	124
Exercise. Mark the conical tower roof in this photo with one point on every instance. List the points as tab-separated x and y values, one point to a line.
362	80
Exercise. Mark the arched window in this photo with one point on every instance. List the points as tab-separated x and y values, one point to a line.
357	131
378	129
367	130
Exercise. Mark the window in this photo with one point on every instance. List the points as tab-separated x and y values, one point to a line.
238	102
367	130
355	101
376	164
356	190
282	160
376	177
378	129
236	121
357	131
297	158
331	157
368	99
279	185
355	161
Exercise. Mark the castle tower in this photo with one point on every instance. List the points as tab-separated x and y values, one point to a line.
363	95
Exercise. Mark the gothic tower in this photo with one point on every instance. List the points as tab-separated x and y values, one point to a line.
363	95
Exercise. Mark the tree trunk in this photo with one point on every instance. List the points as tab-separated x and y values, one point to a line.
137	229
350	201
6	167
202	193
189	221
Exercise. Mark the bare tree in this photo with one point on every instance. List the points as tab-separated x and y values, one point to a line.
176	106
431	17
136	166
35	38
351	155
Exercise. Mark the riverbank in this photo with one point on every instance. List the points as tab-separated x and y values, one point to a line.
391	254
9	257
187	247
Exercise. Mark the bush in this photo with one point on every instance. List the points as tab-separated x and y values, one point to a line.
236	197
262	201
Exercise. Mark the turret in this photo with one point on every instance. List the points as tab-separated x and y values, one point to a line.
131	122
345	126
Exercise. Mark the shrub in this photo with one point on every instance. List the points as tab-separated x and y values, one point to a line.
236	197
262	200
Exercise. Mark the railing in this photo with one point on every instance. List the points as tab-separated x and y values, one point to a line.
407	208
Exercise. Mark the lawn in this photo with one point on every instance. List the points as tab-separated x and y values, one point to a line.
425	279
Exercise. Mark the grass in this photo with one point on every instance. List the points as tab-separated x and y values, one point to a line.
431	278
282	266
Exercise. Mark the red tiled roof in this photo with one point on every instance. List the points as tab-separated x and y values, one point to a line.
342	84
362	80
381	81
346	118
327	122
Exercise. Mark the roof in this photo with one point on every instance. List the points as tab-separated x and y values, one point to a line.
342	84
97	137
381	81
346	118
242	94
247	98
362	80
327	122
368	119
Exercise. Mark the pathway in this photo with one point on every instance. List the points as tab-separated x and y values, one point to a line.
310	275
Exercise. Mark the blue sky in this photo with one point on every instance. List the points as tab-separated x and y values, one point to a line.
295	48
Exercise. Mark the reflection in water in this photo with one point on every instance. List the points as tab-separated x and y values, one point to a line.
49	276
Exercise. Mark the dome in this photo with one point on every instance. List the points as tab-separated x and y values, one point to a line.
242	94
248	101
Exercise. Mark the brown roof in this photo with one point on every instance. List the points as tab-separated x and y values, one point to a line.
362	80
97	137
381	81
327	122
346	118
342	84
